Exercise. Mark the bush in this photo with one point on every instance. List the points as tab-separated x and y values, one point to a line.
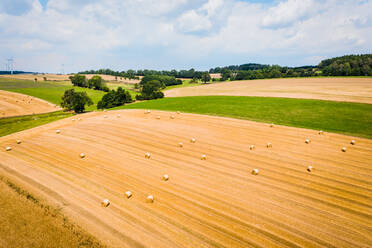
76	101
114	99
96	83
164	80
151	90
206	77
79	80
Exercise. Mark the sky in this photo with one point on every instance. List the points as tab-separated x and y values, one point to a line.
75	35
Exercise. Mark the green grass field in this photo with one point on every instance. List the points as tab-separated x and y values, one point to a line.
340	117
49	91
53	91
185	83
15	124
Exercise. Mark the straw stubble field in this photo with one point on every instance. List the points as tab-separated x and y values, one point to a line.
15	104
326	88
215	202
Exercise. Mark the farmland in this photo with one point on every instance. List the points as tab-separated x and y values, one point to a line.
53	91
350	89
340	117
29	221
260	185
19	123
64	77
14	104
214	202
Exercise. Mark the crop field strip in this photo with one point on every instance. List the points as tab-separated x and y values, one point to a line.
216	202
346	89
14	104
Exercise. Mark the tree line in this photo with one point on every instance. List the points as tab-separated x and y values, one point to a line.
349	65
134	74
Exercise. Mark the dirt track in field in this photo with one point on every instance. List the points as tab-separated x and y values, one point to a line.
206	203
15	104
335	89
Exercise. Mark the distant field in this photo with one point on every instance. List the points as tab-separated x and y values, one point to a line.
49	91
185	83
350	89
53	91
15	104
65	77
340	117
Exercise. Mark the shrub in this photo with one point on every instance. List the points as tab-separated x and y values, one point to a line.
79	80
151	90
115	98
164	80
76	101
96	83
206	77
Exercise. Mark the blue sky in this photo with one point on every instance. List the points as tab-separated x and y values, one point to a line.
41	35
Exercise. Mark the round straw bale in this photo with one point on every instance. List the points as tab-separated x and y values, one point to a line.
252	147
204	157
343	149
150	199
79	119
271	125
105	203
172	117
58	131
147	111
165	177
269	145
321	132
180	144
147	155
352	142
118	115
193	140
307	141
309	168
158	117
8	148
255	172
73	119
19	141
128	194
178	112
82	155
105	116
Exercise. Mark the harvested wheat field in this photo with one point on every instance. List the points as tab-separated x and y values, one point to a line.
65	77
336	89
40	77
216	200
15	104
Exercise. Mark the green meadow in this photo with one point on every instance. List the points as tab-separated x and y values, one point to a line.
339	117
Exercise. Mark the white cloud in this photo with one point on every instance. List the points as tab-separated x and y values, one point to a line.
289	12
200	19
191	22
168	33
